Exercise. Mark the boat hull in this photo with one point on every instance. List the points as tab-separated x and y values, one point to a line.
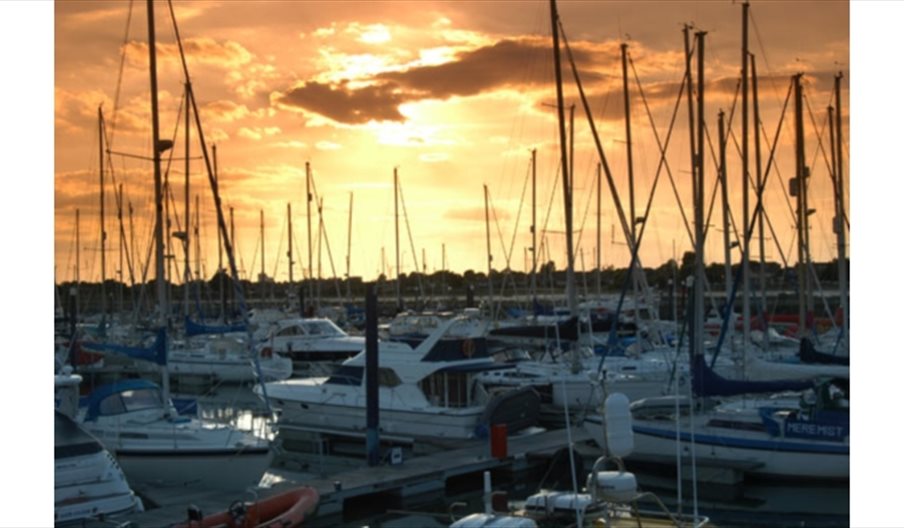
226	469
456	424
766	456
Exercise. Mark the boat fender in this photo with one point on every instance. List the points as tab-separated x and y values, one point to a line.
619	433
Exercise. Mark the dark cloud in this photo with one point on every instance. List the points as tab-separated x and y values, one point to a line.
510	63
345	105
504	64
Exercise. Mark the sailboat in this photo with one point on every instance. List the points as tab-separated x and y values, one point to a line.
801	431
136	420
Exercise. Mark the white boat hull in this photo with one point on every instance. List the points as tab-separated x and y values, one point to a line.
213	469
767	456
454	424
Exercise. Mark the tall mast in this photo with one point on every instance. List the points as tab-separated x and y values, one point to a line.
307	172
395	190
263	269
163	309
759	186
103	231
220	273
291	262
187	240
797	190
78	260
486	208
348	252
122	240
232	227
533	227
699	205
197	239
132	244
633	217
840	215
726	237
599	234
159	255
566	179
319	246
745	161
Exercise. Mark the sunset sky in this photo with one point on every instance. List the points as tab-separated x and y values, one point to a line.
468	121
454	94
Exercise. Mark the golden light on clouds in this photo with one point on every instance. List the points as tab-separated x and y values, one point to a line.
453	95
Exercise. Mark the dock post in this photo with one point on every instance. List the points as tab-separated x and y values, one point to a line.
370	373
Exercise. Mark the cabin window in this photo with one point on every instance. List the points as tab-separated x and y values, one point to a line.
138	399
449	389
287	332
112	405
388	378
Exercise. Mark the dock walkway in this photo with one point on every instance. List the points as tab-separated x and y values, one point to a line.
414	476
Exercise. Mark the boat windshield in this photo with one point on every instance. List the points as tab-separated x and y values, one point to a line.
322	328
138	399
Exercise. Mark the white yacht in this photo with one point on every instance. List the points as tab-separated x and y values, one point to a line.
427	392
315	346
226	359
155	445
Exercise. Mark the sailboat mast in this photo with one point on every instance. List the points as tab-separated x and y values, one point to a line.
159	255
197	233
563	146
220	272
726	236
840	214
745	195
78	259
122	240
232	229
163	310
486	208
759	210
533	224
187	240
103	232
630	159
699	205
289	216
395	190
797	190
348	252
599	234
307	172
263	269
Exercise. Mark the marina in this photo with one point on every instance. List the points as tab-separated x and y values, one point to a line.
614	362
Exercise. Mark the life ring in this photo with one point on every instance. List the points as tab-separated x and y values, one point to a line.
467	348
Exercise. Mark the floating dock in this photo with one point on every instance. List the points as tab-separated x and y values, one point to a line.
389	485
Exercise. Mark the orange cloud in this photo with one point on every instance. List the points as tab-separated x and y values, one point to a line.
202	50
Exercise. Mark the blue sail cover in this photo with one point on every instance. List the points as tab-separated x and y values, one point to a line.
705	382
155	353
192	328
